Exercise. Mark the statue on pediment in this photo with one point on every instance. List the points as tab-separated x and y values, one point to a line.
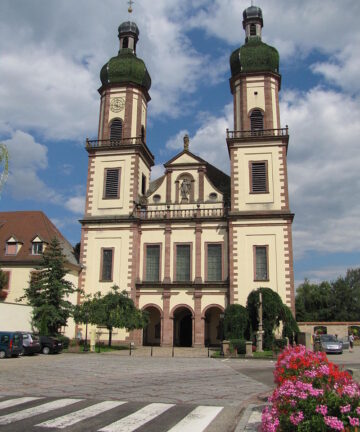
185	189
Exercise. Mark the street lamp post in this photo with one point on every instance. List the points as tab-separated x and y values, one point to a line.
86	349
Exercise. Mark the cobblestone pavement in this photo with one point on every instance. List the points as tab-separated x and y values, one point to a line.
179	381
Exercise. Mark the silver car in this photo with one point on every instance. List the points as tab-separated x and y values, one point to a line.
330	344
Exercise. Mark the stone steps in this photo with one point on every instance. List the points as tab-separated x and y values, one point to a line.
156	351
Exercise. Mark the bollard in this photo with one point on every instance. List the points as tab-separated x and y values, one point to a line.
130	349
151	351
173	351
208	351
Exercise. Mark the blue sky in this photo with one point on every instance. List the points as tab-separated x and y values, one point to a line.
51	54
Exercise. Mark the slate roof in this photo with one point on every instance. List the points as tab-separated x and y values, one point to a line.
25	226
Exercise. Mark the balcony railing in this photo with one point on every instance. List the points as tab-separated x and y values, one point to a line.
113	142
257	133
169	213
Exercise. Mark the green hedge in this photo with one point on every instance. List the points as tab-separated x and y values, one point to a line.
239	345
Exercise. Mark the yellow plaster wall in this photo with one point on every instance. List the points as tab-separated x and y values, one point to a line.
207	300
160	191
255	101
119	240
209	188
180	296
102	206
121	113
246	237
274	104
19	279
15	317
101	120
267	201
143	114
151	299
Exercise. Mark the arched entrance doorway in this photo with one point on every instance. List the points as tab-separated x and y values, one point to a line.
152	332
183	327
213	326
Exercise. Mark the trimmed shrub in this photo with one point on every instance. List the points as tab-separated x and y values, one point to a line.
64	339
236	322
239	345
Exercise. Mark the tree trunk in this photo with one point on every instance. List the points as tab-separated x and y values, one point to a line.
110	336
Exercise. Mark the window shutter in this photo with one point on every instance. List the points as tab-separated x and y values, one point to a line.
116	129
112	183
214	262
258	177
153	263
107	260
257	120
261	263
183	262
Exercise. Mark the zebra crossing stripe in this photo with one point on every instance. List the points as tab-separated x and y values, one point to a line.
77	416
138	418
18	401
41	409
197	420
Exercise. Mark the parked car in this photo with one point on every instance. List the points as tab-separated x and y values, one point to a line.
50	345
31	343
330	344
10	344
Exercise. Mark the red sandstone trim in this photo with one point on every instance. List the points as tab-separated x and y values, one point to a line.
168	186
210	306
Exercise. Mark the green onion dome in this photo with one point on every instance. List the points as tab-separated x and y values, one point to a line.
254	56
125	67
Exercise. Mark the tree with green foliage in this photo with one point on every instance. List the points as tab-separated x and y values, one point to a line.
236	322
274	311
3	284
48	291
113	310
338	300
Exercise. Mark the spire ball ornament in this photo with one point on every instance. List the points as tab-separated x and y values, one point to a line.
130	6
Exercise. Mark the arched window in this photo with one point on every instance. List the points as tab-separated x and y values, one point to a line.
125	43
252	30
116	129
257	120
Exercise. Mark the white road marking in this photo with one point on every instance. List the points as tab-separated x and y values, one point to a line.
41	409
197	420
13	402
77	416
138	418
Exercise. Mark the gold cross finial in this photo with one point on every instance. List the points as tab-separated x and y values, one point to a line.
186	142
130	5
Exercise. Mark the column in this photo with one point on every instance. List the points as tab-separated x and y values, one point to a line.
198	321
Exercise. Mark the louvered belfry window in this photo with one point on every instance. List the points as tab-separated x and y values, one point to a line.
252	30
116	129
152	263
214	262
183	262
257	120
107	262
261	264
259	181
111	187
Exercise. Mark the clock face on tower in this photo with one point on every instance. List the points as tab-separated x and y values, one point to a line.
117	104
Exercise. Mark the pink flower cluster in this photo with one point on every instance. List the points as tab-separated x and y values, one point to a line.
312	394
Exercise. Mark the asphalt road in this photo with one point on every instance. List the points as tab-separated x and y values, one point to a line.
183	390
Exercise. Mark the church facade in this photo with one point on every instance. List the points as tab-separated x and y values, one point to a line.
195	240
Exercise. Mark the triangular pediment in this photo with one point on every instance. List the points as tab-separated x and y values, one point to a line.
185	158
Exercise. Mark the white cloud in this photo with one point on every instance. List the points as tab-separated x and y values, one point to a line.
157	171
209	141
76	204
26	159
323	166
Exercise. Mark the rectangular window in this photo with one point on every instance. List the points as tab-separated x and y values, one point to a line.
183	262
112	183
214	262
258	177
37	248
106	264
152	263
261	263
11	248
143	184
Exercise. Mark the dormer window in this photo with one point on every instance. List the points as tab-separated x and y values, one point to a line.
12	246
37	248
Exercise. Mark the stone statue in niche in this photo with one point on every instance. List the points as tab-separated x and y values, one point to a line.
185	189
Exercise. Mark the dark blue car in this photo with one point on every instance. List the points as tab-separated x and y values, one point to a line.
10	344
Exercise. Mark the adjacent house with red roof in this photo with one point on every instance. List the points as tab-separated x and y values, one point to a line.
24	235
